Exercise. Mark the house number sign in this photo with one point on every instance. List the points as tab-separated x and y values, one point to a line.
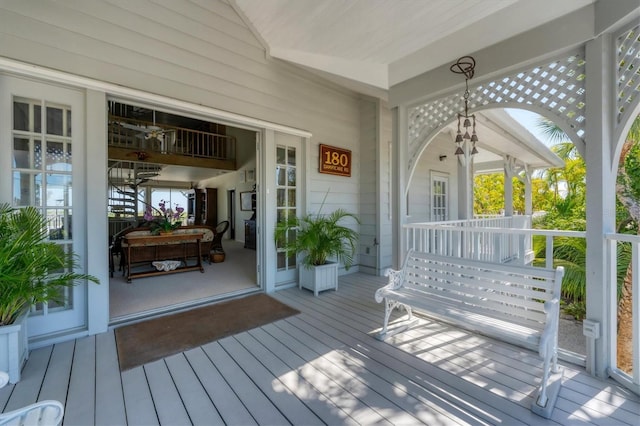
335	161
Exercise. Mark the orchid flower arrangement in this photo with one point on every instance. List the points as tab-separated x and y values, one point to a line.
167	221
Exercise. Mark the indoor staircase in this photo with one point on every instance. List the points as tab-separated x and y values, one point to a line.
124	179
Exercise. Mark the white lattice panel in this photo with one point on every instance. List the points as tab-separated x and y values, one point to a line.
558	87
628	48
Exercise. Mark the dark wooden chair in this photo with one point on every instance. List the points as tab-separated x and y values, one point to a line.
221	228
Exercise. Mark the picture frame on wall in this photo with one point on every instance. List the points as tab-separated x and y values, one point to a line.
245	201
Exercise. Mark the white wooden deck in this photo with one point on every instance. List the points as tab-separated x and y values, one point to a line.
319	367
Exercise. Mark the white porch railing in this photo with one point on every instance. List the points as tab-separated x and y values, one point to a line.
479	239
629	379
509	239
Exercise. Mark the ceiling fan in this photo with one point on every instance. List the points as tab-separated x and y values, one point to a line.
154	138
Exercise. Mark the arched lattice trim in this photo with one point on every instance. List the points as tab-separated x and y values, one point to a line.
557	87
628	76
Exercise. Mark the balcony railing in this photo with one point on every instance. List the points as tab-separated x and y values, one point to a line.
509	239
163	139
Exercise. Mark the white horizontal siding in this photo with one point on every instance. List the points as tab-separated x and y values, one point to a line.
173	48
368	173
194	51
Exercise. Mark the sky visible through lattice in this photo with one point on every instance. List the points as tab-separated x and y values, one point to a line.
529	120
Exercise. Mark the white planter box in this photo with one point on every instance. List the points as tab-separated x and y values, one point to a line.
14	347
319	278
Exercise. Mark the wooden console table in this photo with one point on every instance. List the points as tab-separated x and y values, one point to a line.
150	248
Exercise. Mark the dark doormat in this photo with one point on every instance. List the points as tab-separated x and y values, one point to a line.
160	337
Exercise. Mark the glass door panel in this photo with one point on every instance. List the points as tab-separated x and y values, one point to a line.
44	174
288	195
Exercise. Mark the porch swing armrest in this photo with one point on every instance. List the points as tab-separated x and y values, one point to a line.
395	282
549	337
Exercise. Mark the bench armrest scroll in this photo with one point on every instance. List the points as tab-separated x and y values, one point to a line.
395	282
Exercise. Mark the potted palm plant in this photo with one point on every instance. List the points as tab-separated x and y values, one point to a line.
318	238
33	269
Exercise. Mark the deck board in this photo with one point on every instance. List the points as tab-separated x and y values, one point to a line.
325	410
359	383
291	407
137	398
322	366
110	410
417	399
169	406
319	379
26	391
56	380
253	399
226	401
81	401
196	400
371	373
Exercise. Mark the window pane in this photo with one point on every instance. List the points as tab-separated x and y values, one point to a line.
280	176
291	158
56	158
280	155
281	198
59	224
281	260
68	123
291	201
58	190
291	176
281	215
20	153
20	116
37	154
54	121
37	118
27	189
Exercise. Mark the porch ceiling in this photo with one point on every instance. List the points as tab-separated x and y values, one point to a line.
370	45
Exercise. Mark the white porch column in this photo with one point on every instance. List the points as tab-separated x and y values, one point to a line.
399	181
508	187
528	192
601	214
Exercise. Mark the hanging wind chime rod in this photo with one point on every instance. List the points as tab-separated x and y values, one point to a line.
466	66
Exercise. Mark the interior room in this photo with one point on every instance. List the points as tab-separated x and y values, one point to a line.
194	177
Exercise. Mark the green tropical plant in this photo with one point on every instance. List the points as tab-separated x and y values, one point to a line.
318	237
32	269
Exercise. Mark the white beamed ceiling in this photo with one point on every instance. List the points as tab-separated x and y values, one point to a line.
378	43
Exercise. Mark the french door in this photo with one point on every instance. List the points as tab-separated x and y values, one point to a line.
42	128
288	195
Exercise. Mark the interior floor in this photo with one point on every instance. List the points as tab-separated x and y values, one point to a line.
152	294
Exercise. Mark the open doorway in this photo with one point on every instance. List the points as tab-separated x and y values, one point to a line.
169	167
